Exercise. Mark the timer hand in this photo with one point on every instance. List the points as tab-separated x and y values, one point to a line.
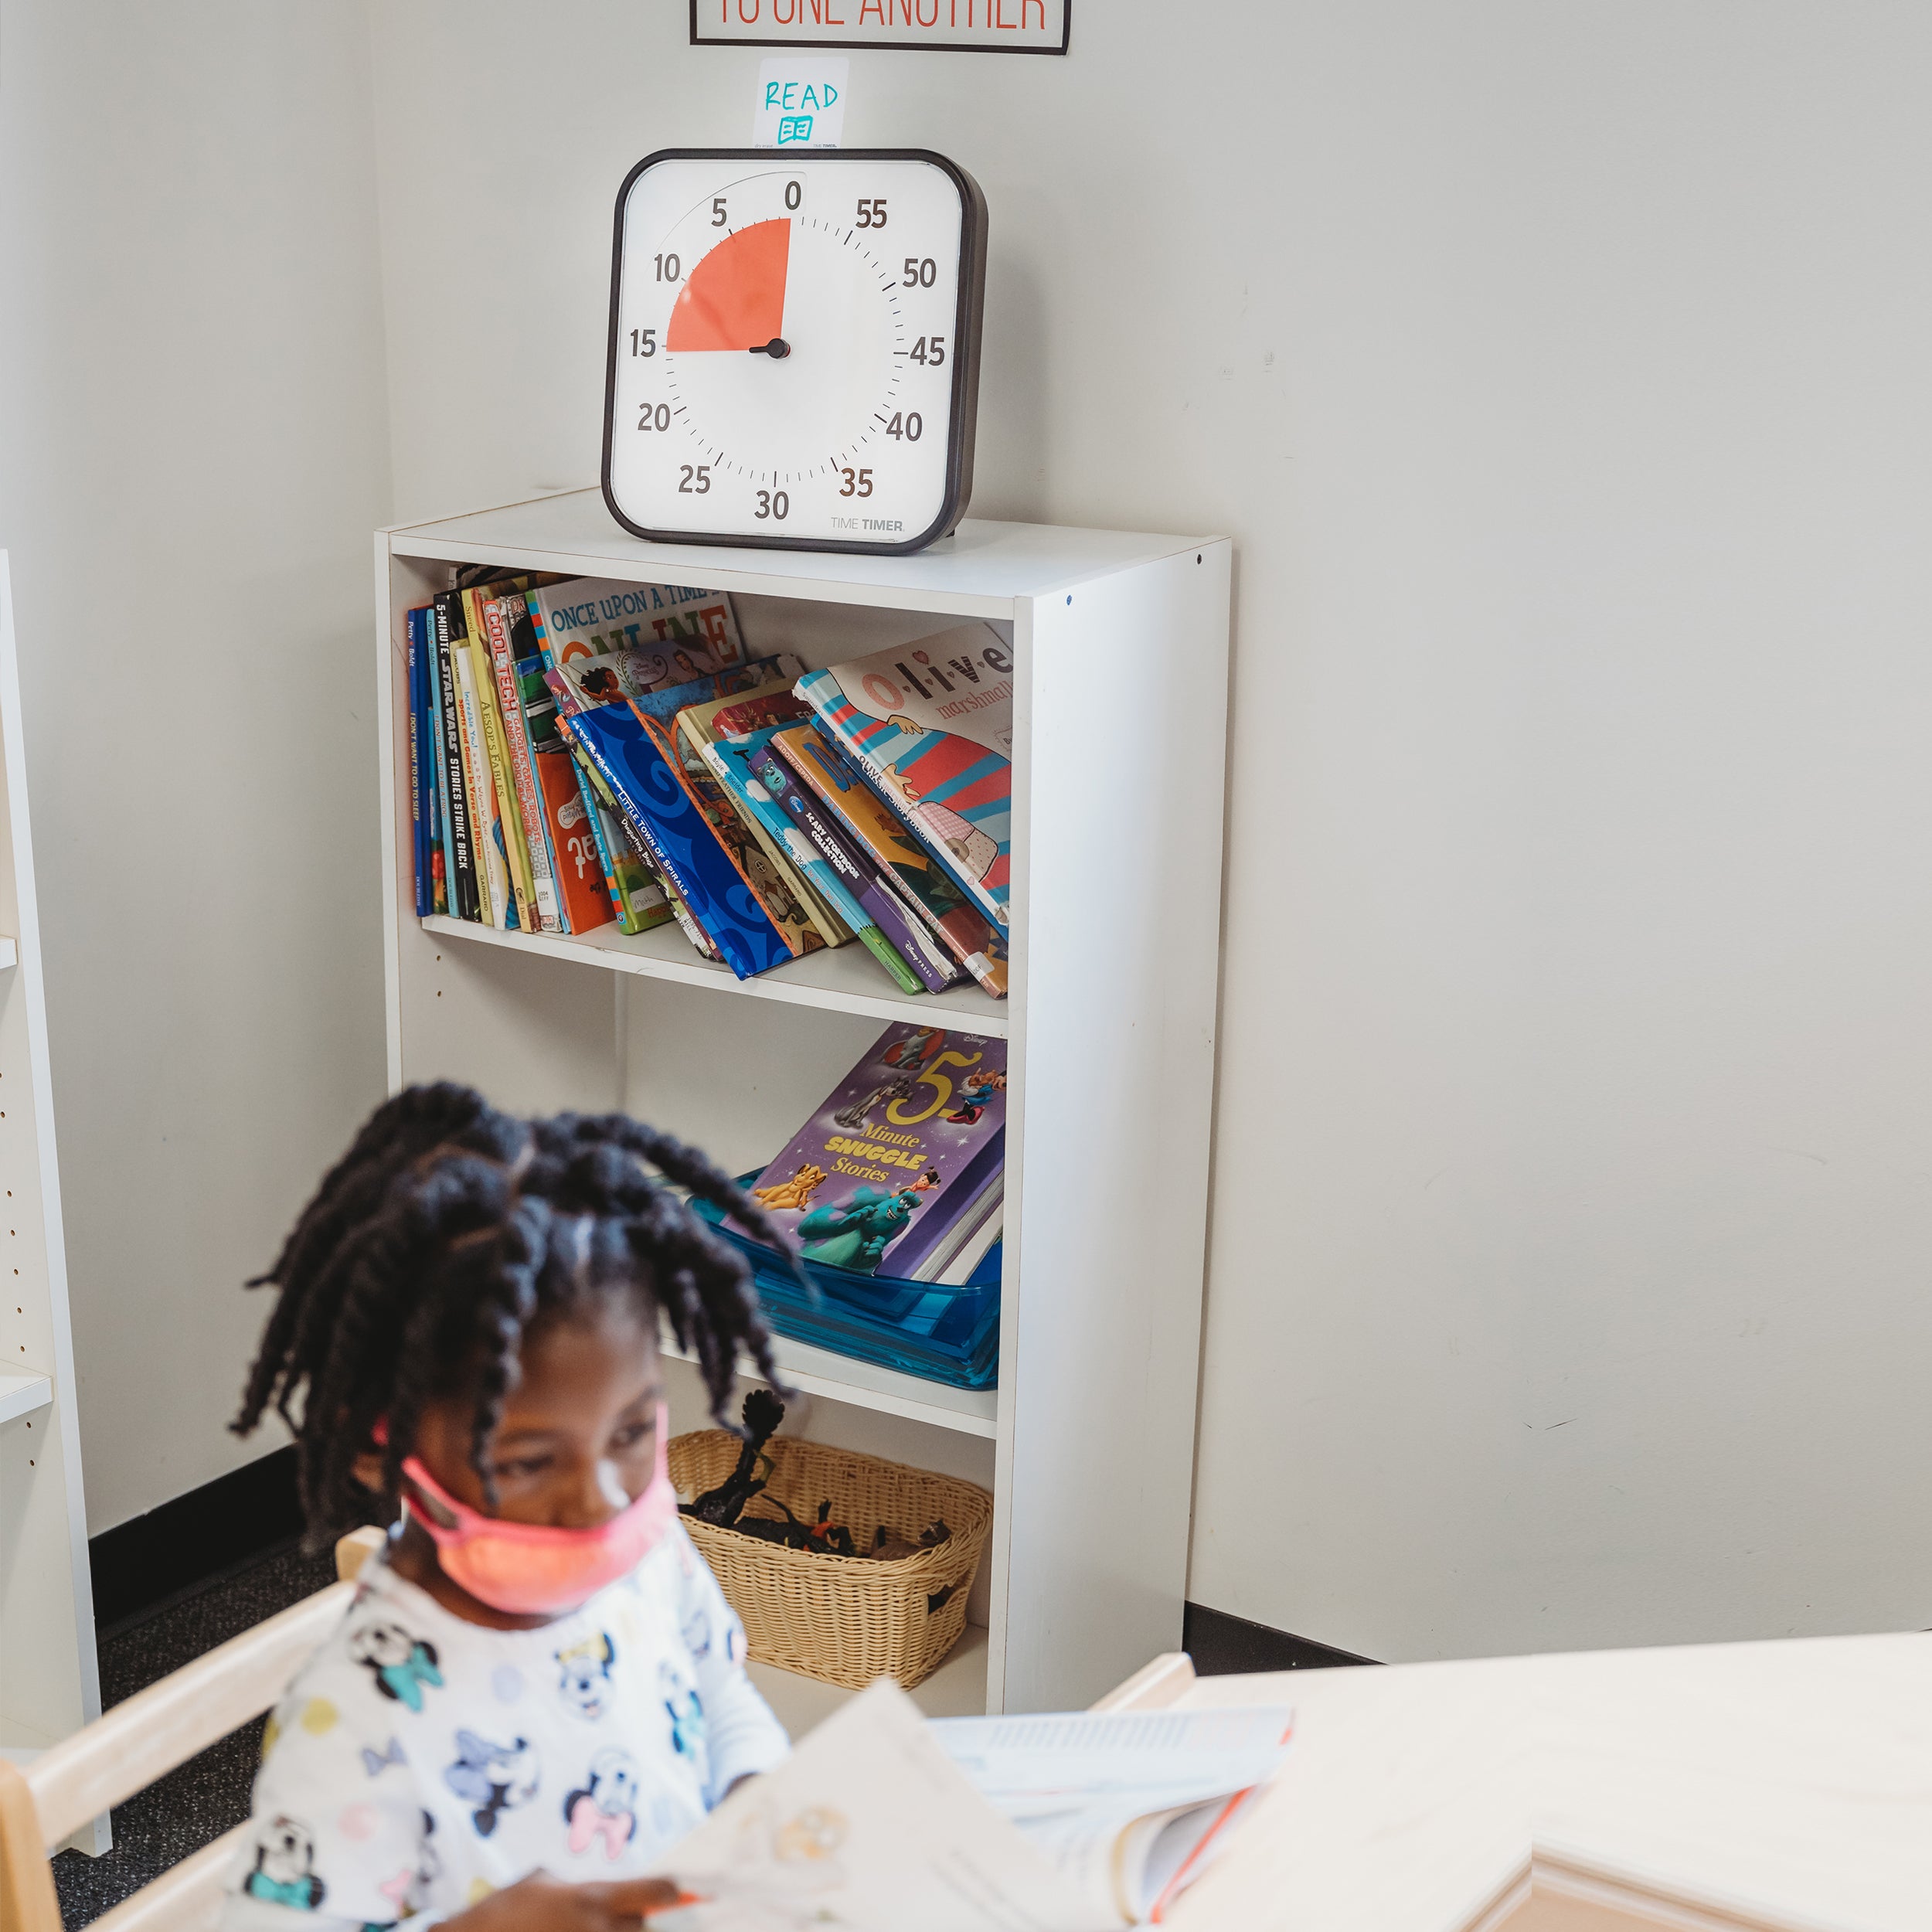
777	348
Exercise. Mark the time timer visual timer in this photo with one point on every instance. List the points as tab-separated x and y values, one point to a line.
794	348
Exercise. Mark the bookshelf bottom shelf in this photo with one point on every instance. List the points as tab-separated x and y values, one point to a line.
957	1688
819	1372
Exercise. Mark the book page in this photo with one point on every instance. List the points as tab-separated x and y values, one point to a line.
871	1826
1163	1758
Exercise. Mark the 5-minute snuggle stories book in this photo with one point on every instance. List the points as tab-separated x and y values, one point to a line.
898	1153
931	724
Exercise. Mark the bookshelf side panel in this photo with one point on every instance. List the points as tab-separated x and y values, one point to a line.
49	1681
1117	839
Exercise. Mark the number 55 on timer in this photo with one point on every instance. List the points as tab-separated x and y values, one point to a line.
794	348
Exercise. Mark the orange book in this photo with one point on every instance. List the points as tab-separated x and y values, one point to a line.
579	868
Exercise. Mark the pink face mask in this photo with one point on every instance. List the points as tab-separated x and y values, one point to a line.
533	1570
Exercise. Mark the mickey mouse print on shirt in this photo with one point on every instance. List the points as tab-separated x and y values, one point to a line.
284	1868
585	1685
491	1778
605	1809
401	1663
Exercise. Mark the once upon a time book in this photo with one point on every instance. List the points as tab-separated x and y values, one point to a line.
661	633
897	1155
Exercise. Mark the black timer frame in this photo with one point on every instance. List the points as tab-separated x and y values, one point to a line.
966	336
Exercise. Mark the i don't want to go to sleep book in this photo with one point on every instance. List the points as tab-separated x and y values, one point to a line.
587	751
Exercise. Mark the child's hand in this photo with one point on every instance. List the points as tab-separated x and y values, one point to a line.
541	1904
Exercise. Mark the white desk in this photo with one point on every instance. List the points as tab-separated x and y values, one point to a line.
1779	1785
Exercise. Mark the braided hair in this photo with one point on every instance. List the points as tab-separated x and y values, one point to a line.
437	1241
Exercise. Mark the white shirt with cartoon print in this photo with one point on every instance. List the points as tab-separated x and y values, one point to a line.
419	1762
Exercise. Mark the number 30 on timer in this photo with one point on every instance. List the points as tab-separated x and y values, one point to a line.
794	348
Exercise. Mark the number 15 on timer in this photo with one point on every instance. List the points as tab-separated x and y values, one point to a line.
794	348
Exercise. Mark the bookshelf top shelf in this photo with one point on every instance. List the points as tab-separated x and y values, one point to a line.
984	570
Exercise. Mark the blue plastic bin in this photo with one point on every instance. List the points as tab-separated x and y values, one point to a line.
948	1335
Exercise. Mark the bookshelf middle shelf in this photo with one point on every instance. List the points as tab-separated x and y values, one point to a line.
845	980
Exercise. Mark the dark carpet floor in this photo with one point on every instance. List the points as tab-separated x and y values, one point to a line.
209	1793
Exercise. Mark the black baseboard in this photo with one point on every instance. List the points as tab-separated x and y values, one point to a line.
142	1566
1222	1645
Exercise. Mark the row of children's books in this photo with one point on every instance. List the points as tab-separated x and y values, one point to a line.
584	752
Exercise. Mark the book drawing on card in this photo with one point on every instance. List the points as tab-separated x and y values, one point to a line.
931	724
899	1153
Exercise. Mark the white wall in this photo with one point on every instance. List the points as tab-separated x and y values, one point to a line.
1561	373
1564	375
193	454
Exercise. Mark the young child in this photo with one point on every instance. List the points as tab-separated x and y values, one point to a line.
539	1683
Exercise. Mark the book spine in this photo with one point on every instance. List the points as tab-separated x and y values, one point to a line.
788	916
516	747
887	910
811	688
487	834
831	869
466	889
582	892
965	946
672	905
831	927
509	830
600	837
419	804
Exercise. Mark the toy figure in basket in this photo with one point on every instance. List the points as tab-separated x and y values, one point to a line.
795	1194
762	1413
857	1235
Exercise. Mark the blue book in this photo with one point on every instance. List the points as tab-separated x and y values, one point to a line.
685	848
420	803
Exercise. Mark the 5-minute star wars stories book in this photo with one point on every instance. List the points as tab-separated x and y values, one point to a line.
897	1154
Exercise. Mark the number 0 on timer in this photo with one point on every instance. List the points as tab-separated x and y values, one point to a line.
794	348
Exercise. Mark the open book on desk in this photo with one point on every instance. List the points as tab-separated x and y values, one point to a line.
881	1822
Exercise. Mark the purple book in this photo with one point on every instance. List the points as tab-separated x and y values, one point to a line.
896	1155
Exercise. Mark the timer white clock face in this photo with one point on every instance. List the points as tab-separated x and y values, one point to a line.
794	349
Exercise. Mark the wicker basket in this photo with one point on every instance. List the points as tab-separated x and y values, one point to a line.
844	1620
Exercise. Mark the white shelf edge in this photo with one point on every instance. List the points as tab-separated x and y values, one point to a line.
820	1371
9	953
23	1395
655	955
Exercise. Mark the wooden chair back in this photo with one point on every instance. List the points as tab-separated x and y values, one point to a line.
105	1763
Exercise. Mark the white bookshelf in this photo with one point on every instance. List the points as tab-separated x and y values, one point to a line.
50	1685
1119	643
